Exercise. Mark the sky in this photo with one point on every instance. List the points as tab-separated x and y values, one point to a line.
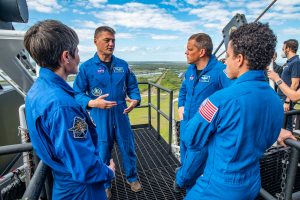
158	30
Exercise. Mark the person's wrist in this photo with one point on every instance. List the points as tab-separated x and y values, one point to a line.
91	104
287	102
278	82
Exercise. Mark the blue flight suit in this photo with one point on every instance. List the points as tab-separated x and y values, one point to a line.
65	138
192	92
93	80
237	124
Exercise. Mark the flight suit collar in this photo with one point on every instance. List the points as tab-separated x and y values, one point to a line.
211	63
98	61
50	76
251	75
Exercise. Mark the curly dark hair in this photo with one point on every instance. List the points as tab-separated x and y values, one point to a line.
256	42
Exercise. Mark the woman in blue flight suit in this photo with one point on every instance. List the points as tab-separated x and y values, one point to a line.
61	132
204	76
237	123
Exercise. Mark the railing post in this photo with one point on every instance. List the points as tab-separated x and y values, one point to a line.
158	114
149	106
291	173
36	184
170	120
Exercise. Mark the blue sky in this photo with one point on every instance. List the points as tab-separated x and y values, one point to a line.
158	30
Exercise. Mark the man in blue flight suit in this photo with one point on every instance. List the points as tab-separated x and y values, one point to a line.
204	76
106	76
237	123
61	132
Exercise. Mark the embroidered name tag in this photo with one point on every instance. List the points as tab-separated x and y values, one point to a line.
204	78
79	128
118	69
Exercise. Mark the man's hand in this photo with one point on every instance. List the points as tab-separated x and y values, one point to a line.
284	134
286	107
132	104
273	75
112	165
100	102
180	112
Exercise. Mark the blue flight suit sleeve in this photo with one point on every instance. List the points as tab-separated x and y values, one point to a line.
224	80
199	129
75	148
133	91
80	87
182	93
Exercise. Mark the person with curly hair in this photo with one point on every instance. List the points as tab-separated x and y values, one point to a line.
236	124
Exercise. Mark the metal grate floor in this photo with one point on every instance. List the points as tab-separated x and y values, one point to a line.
155	169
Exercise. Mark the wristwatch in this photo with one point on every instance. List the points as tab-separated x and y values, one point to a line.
279	82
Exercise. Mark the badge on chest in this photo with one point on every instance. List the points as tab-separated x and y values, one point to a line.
118	69
204	78
101	70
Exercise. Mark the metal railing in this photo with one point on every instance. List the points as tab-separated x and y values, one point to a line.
158	110
287	191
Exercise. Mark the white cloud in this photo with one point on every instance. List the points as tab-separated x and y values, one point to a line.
212	15
83	49
85	34
128	49
124	35
193	2
138	15
97	3
164	37
87	24
49	6
78	11
292	31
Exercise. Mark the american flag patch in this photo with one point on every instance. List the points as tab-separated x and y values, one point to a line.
208	110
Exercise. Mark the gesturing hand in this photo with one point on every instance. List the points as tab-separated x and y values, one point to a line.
100	102
132	104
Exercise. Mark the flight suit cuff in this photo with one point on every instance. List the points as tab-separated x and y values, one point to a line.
180	104
111	174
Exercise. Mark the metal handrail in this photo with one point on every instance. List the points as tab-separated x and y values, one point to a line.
15	148
293	163
158	110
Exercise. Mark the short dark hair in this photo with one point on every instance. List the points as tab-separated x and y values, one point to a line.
256	42
104	29
203	41
292	44
46	40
